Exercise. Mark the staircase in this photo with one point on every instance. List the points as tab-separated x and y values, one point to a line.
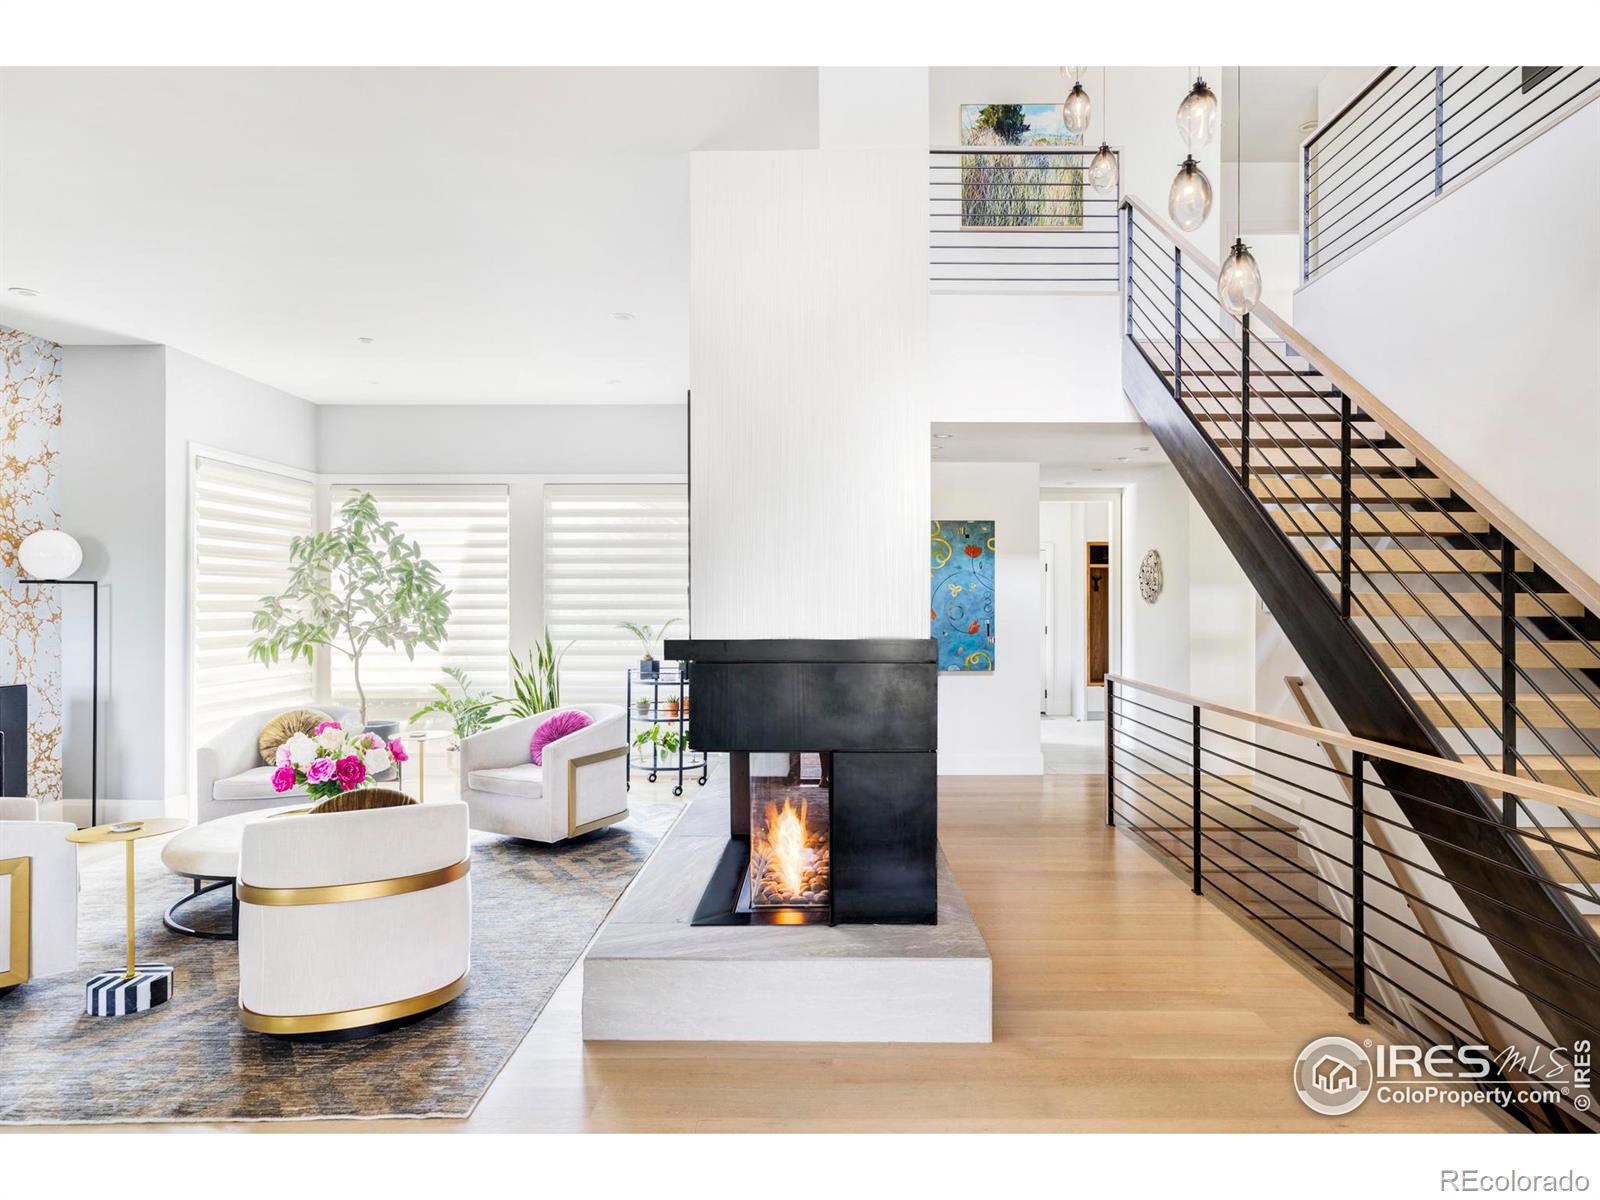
1432	618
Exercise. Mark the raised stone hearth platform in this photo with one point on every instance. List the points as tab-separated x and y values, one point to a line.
651	976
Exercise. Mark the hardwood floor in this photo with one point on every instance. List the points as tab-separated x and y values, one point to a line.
1122	1003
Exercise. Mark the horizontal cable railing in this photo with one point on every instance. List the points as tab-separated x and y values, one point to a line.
1292	824
1411	134
1020	218
1489	638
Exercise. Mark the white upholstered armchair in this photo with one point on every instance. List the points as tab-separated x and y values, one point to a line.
38	895
230	777
349	921
581	786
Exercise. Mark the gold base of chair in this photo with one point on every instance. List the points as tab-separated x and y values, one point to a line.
353	1022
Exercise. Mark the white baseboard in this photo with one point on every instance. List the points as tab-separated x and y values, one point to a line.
1020	763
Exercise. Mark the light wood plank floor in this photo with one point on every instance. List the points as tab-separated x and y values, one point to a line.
1122	1003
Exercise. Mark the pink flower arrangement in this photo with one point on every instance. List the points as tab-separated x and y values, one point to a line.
329	760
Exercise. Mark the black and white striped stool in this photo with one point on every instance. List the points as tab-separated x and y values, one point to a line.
116	994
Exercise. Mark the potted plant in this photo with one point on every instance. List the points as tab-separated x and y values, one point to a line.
649	668
667	741
469	711
536	682
359	584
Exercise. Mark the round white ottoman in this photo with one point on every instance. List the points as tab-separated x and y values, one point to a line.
208	853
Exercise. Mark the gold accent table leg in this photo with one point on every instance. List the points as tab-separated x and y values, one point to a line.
129	845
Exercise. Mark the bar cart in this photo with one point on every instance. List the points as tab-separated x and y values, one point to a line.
663	700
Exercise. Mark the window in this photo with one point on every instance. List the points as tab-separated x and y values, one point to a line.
465	531
243	518
612	553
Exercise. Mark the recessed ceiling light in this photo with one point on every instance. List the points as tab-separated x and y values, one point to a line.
1142	449
1309	126
365	341
22	291
1097	468
612	382
621	316
943	436
1123	459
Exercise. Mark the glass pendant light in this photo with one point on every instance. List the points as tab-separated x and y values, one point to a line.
1197	115
1189	201
1103	167
1239	282
1076	110
1239	285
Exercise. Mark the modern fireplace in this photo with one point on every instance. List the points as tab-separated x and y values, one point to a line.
833	803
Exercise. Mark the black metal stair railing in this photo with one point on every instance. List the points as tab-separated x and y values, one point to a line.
1322	856
1411	134
1361	503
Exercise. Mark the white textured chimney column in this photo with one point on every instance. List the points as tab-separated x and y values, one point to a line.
809	460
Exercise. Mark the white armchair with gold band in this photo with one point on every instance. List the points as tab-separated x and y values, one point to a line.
38	895
351	920
582	784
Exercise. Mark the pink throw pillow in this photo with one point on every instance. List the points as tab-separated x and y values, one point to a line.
557	725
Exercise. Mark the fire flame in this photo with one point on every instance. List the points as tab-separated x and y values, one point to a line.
786	852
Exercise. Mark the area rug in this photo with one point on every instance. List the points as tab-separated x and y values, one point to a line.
534	909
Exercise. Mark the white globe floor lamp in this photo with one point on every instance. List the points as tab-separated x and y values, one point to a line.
48	558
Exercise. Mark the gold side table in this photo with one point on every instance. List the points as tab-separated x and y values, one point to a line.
420	739
141	986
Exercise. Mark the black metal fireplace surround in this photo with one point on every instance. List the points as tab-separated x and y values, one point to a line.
833	808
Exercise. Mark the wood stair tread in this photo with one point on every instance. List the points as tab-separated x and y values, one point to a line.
1408	561
1403	653
1372	460
1582	710
1459	604
1397	522
1327	487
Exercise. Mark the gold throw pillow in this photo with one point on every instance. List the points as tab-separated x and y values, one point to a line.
283	727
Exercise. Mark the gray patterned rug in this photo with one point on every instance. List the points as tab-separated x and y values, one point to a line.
534	909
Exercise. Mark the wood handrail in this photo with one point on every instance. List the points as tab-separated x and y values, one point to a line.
1573	578
1494	781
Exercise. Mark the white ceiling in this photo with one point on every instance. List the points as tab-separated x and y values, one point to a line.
1087	454
480	225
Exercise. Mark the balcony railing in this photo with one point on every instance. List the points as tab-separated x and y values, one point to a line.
1414	133
1020	218
1293	825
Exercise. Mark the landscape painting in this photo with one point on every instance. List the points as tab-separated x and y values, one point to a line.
961	606
1011	190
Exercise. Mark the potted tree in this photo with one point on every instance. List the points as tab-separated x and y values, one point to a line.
649	668
357	585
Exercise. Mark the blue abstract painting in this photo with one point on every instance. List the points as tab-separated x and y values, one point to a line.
961	605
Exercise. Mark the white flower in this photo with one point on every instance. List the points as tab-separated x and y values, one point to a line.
331	739
377	761
301	749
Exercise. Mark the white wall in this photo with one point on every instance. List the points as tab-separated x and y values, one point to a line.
989	720
1475	321
1057	356
501	439
113	502
1155	637
809	433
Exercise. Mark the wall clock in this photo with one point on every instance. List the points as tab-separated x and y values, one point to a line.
1150	577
